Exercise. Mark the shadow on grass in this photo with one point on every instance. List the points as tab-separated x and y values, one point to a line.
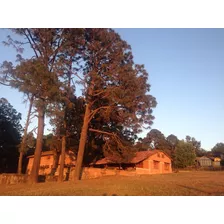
105	194
41	178
202	191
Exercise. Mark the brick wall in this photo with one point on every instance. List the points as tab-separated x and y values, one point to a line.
6	178
155	164
90	173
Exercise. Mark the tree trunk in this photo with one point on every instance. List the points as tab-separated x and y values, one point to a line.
39	144
62	160
55	163
22	149
82	144
20	163
63	147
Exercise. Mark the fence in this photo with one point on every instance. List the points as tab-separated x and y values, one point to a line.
209	168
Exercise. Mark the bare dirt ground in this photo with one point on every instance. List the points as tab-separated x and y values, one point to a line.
200	183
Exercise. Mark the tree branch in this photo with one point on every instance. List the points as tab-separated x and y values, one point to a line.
79	77
4	84
56	51
34	43
34	129
95	111
101	132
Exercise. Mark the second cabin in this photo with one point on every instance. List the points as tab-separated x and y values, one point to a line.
144	162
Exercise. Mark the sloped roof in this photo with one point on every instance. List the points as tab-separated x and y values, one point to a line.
203	157
70	158
52	152
140	156
46	153
216	159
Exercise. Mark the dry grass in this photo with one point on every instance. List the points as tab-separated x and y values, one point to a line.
183	183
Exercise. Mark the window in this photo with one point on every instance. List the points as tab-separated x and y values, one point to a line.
166	166
156	164
140	165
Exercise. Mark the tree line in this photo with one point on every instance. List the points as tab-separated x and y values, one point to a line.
105	120
183	152
115	103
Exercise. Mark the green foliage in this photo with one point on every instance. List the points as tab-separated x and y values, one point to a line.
10	136
184	155
219	147
141	145
70	113
173	140
222	162
118	150
196	144
156	140
115	89
30	142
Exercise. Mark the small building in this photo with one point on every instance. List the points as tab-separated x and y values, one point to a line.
203	161
47	161
144	162
215	161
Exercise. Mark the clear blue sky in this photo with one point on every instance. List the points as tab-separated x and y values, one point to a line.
186	73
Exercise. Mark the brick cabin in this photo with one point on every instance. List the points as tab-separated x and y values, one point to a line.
144	162
215	161
47	160
208	161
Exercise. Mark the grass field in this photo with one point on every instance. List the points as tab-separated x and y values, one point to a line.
182	183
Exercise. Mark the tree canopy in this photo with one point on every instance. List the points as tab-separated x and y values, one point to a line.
155	139
10	136
219	147
184	155
117	103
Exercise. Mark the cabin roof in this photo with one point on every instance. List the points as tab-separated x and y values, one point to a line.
52	152
217	159
139	156
203	157
46	153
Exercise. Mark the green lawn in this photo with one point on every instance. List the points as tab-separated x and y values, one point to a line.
182	183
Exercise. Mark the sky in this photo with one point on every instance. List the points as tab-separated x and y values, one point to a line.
186	74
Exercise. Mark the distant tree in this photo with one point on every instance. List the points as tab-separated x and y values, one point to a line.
10	136
201	152
218	150
184	155
155	139
173	140
219	147
209	153
196	144
141	145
